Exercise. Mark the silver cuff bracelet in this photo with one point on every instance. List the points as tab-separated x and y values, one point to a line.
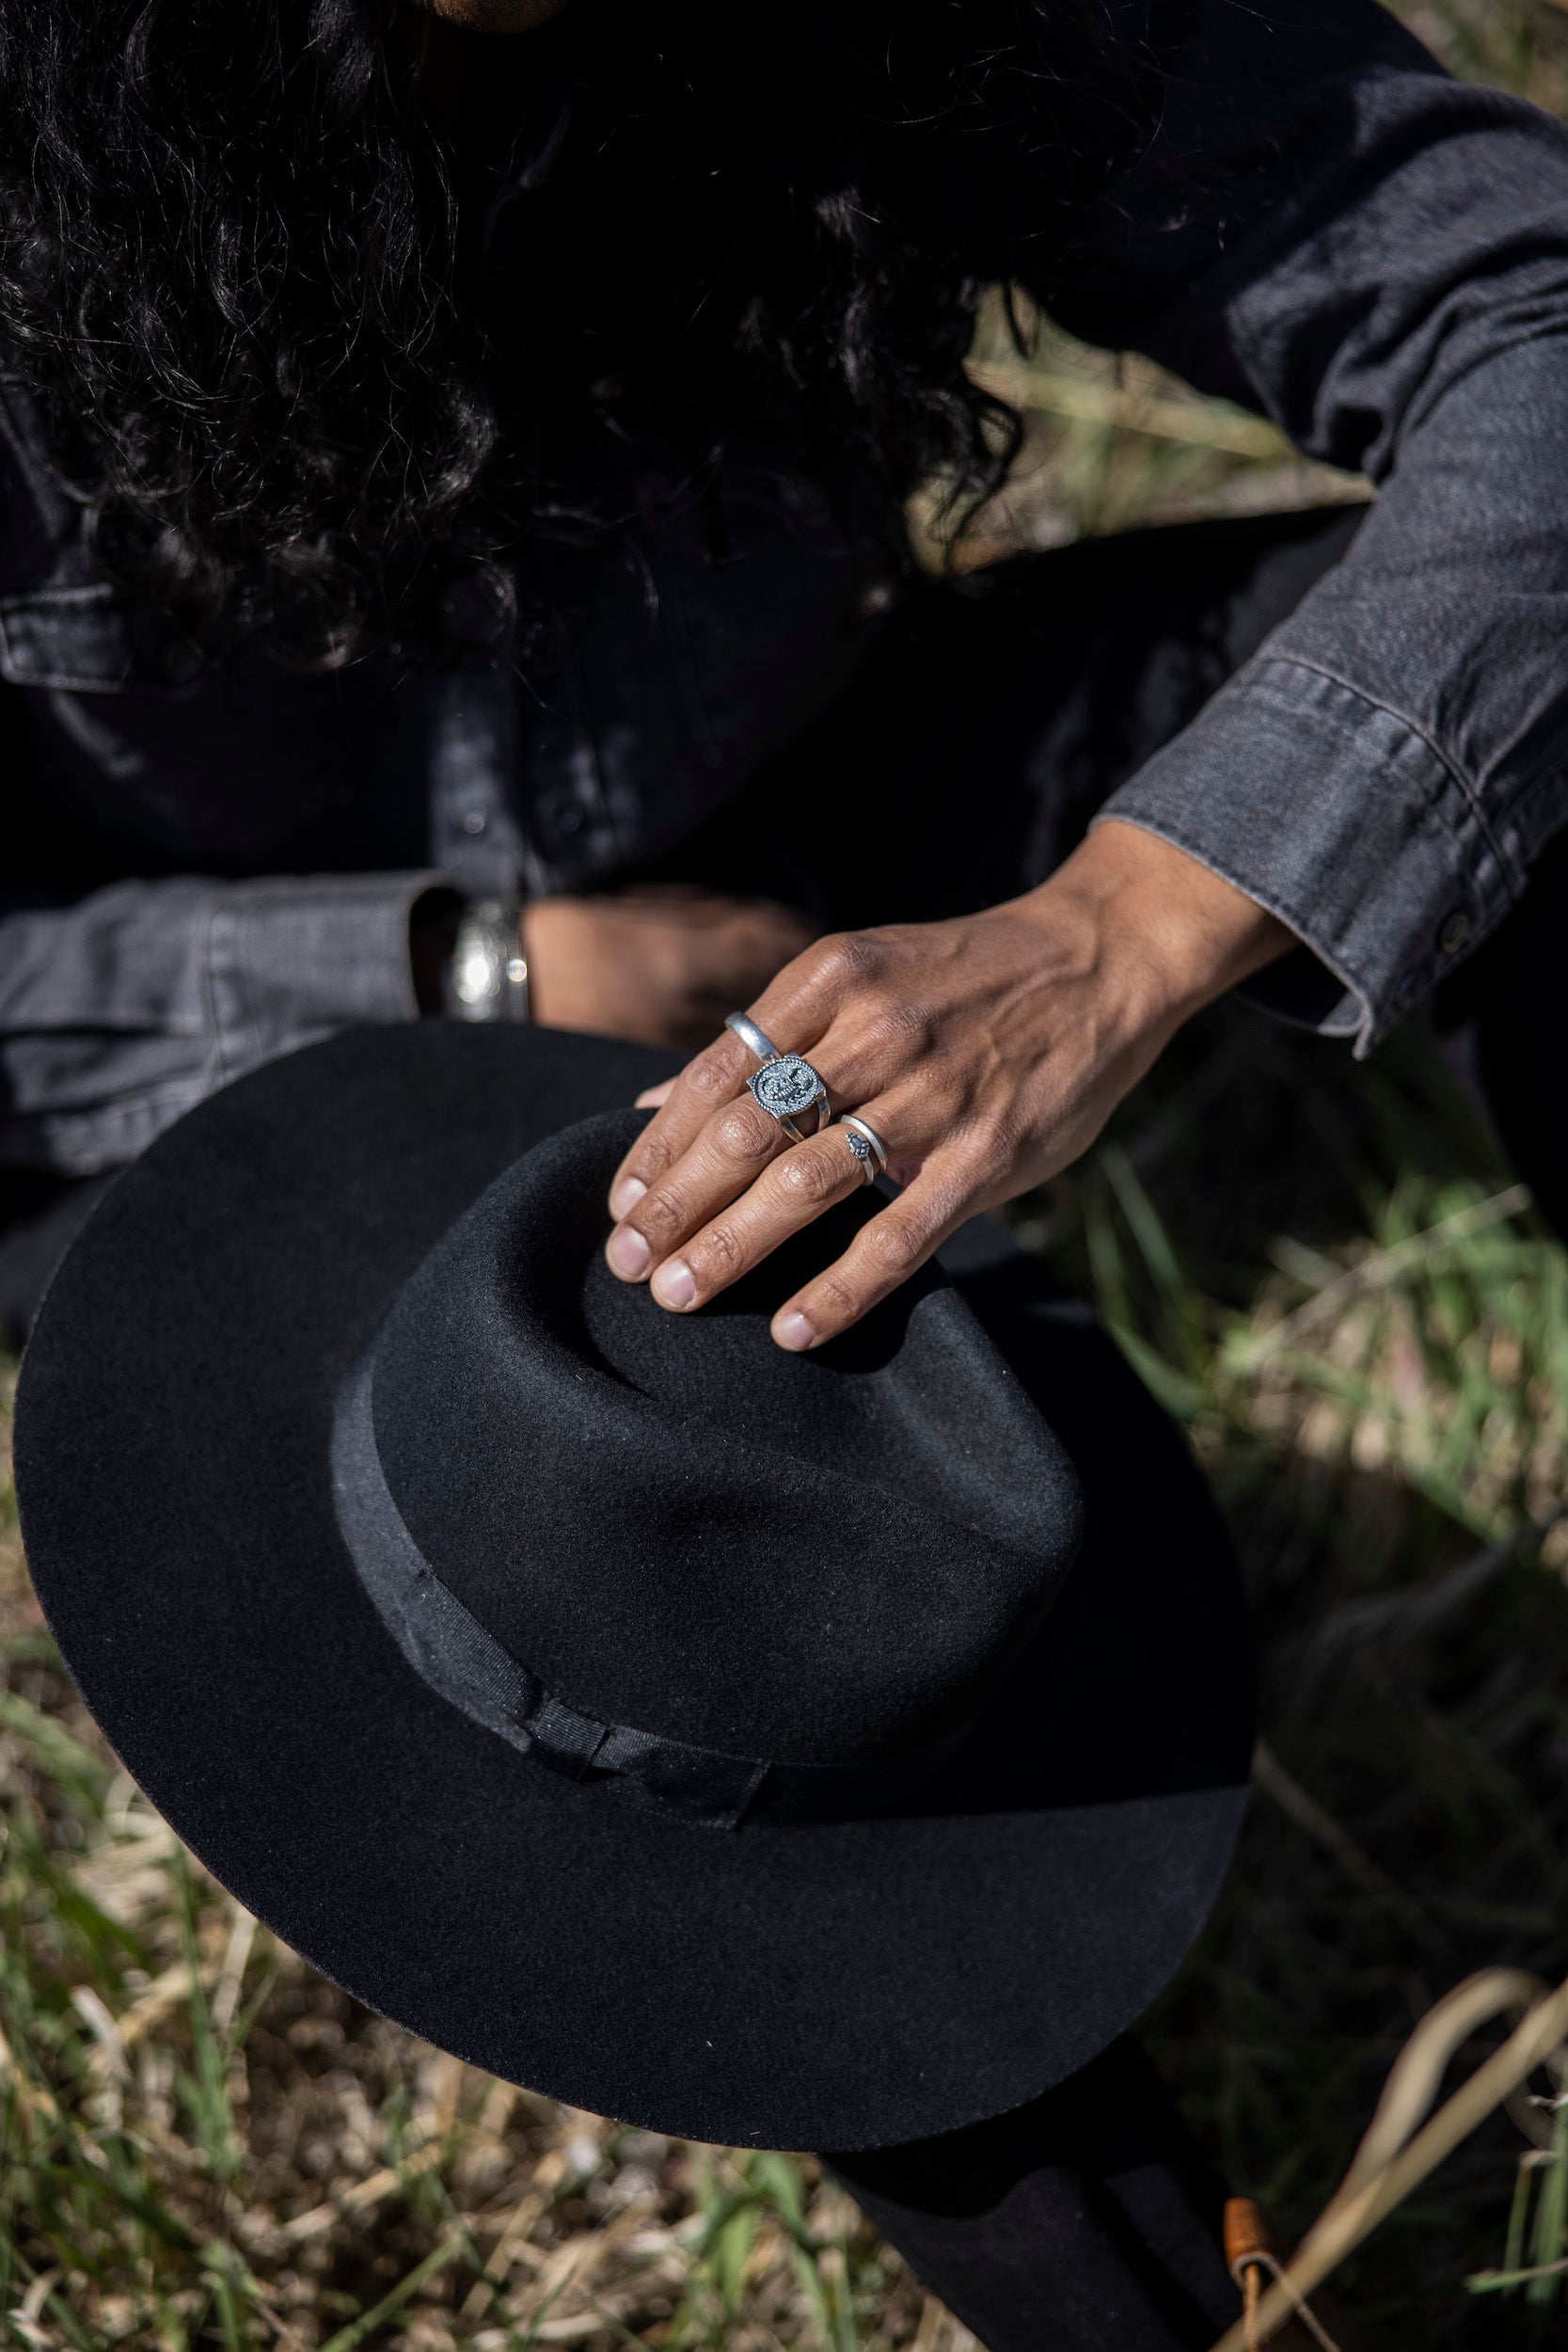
487	974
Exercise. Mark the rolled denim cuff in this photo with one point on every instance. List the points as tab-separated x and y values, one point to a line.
1343	819
290	958
121	1011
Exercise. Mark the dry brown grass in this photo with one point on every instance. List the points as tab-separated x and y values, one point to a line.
206	2142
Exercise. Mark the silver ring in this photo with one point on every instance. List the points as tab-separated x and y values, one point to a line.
866	1145
756	1041
787	1086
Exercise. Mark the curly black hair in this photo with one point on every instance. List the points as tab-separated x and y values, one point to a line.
304	349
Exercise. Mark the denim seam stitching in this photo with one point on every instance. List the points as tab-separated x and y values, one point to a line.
1468	794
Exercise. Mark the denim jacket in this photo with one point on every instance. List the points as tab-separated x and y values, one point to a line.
1326	228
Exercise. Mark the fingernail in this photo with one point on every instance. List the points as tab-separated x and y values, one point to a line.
793	1331
674	1284
628	1252
627	1195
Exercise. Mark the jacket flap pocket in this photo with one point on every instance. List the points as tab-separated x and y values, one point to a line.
86	640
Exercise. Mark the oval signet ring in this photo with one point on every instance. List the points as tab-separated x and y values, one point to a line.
787	1086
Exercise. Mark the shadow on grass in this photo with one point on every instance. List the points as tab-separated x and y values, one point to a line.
1333	1277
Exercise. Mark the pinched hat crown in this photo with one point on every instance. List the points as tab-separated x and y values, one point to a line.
337	1359
663	1552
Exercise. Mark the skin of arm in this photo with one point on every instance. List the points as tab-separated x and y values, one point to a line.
663	965
988	1052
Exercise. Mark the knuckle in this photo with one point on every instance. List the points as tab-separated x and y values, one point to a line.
808	1179
836	1298
650	1160
710	1078
660	1217
826	961
741	1132
718	1256
894	1244
849	958
896	1030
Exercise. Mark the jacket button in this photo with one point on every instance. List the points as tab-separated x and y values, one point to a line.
562	815
181	662
801	498
1455	932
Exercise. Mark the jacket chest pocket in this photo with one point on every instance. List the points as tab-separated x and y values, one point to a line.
87	640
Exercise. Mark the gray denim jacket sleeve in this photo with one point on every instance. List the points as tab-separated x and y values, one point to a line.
1376	257
120	1013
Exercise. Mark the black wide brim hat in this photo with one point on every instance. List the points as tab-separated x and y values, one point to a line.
832	1982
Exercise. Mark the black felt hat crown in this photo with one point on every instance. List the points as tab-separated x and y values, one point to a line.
748	1584
822	1750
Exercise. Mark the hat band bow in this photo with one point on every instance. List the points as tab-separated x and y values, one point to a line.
455	1656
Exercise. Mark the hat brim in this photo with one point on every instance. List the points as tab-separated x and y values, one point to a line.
841	1985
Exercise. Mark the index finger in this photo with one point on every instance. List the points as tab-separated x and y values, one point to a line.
797	1002
714	1077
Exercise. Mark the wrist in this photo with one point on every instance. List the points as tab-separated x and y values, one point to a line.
1177	933
553	950
433	921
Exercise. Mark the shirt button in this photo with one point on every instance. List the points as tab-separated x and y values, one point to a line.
1455	932
474	821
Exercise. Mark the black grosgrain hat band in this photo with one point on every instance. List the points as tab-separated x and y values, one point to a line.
672	1523
463	1663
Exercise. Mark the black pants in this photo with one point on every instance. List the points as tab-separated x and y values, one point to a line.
1087	2221
987	729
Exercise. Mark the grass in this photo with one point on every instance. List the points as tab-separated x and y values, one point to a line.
1366	1334
1113	442
1369	1344
1330	1278
206	2145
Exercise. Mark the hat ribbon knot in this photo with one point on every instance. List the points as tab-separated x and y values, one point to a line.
458	1659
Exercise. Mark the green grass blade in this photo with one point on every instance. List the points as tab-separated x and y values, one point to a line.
366	2324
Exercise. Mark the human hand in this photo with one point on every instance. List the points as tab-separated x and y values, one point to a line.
987	1053
663	965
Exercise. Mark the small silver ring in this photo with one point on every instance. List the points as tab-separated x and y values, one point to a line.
756	1041
866	1145
786	1087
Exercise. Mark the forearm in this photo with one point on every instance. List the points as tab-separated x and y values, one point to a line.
1376	256
119	1012
1174	933
1386	771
